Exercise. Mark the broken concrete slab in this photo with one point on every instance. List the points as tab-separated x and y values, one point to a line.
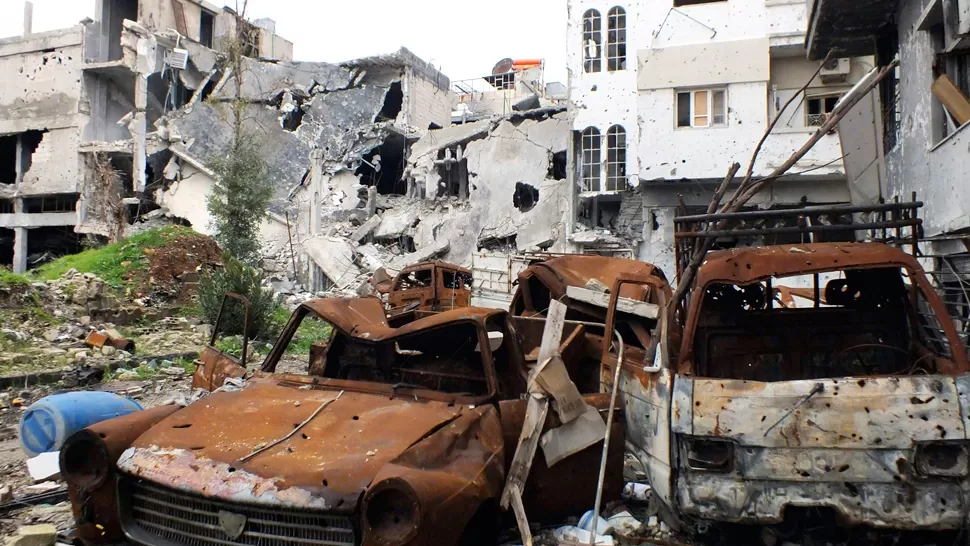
45	467
335	257
397	222
34	535
264	81
366	229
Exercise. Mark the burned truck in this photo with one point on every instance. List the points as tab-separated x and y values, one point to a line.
377	434
816	375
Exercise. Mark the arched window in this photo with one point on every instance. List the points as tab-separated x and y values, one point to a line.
616	159
592	41
591	166
616	39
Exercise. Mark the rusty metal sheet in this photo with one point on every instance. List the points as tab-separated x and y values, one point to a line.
747	265
883	412
364	317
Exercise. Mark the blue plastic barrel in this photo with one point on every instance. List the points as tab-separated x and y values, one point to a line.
49	421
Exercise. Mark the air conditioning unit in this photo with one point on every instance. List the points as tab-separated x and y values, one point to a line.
178	59
835	70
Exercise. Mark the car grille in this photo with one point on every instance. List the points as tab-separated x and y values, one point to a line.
154	512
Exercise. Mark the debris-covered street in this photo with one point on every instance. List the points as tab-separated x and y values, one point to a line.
688	275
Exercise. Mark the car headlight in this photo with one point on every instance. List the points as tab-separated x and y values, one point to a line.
392	512
942	459
84	460
709	454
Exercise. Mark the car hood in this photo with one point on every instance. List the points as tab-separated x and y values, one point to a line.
327	464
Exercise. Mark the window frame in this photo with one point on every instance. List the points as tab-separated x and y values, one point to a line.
616	33
616	157
820	97
591	169
592	31
709	112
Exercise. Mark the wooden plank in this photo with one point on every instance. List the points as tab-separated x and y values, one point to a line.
552	333
953	99
179	11
535	417
624	305
520	517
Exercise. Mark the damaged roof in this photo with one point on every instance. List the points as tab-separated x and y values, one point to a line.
752	264
364	317
578	269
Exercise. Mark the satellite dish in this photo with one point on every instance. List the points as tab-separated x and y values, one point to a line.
504	66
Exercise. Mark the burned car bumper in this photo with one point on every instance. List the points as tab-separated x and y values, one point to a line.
875	488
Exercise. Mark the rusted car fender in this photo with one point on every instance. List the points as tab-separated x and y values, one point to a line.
454	474
94	498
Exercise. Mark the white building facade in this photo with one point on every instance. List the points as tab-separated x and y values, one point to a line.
667	94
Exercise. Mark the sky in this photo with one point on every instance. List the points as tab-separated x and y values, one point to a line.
463	39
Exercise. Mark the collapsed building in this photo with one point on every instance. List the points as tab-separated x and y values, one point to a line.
77	109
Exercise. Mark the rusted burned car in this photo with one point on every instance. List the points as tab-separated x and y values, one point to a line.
429	286
377	435
852	401
583	283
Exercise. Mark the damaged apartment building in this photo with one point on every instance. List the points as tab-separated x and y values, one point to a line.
650	137
915	130
78	146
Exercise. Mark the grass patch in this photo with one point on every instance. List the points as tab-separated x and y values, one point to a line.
10	279
112	263
310	332
186	364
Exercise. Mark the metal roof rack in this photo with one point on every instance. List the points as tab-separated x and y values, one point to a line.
884	222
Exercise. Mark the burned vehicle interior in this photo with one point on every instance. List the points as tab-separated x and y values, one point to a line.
812	310
865	327
447	358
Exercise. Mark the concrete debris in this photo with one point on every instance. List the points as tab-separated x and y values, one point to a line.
34	535
45	467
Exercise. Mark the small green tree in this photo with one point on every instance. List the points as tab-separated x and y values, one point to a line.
239	199
238	277
242	193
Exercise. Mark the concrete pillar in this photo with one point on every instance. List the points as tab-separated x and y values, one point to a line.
138	128
20	250
316	190
28	18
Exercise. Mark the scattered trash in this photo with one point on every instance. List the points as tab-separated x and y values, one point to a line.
45	466
109	338
637	492
47	423
574	536
603	527
624	524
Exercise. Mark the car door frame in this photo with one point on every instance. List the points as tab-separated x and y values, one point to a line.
213	365
647	392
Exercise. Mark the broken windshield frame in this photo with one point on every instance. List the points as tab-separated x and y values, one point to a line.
409	365
758	332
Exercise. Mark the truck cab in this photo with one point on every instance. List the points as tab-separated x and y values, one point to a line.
823	375
429	286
